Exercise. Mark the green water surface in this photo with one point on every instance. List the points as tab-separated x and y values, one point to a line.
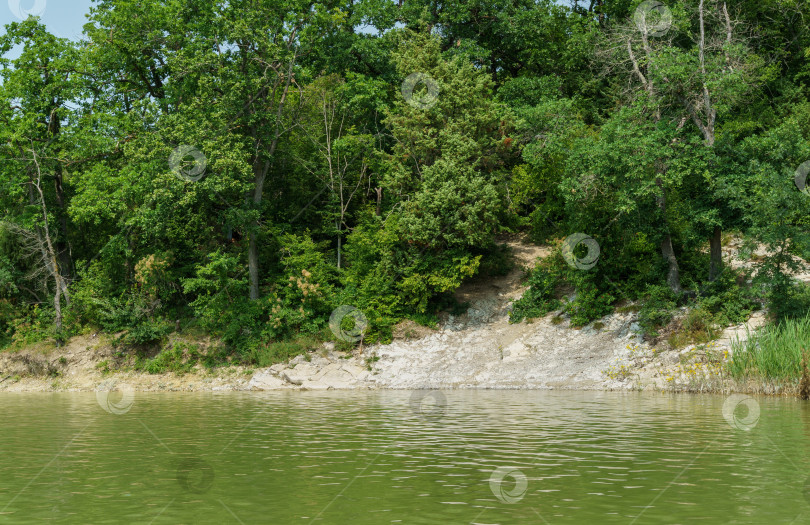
482	457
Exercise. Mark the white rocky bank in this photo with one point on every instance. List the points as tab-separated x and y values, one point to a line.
477	350
480	349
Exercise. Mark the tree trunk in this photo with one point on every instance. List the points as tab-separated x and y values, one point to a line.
253	263
45	245
667	251
63	247
338	245
260	174
57	308
674	273
716	249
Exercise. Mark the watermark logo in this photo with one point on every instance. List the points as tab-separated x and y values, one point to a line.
508	491
116	401
422	100
741	411
801	177
188	163
343	315
195	475
20	12
428	404
653	18
589	260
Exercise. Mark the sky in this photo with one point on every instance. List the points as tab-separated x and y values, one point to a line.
63	18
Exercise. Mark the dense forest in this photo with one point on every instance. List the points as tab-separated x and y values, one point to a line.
244	168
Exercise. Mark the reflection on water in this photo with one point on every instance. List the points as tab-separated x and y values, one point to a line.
490	457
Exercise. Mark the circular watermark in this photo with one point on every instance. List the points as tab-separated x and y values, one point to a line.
117	401
428	404
195	475
338	326
801	177
589	260
741	411
188	163
653	18
422	100
508	491
20	12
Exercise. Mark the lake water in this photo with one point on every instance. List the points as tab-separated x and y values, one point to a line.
485	457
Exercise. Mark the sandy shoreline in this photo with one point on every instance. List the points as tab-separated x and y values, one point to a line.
480	350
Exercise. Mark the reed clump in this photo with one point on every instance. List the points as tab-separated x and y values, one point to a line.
775	354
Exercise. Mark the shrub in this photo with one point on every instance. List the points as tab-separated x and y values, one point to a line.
729	302
221	305
180	359
794	303
698	326
35	324
540	298
269	353
151	274
146	332
589	304
658	308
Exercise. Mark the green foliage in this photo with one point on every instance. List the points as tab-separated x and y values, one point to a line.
7	315
729	302
657	310
774	352
542	294
792	303
323	186
722	302
180	358
30	326
146	332
697	327
267	354
221	306
589	304
548	279
433	277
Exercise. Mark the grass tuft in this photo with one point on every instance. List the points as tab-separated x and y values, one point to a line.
773	352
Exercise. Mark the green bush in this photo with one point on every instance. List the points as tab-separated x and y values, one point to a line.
698	326
33	325
216	356
729	302
589	304
657	310
793	303
590	301
269	353
146	332
222	306
7	314
180	359
724	302
540	298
